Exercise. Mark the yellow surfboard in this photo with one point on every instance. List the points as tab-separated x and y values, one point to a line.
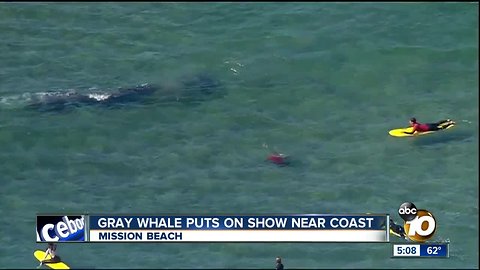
40	254
394	233
399	132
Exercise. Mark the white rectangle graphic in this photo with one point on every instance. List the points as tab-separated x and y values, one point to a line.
407	250
238	236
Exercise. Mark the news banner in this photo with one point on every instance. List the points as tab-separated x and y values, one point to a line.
312	228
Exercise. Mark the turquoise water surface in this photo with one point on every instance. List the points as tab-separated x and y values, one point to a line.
321	82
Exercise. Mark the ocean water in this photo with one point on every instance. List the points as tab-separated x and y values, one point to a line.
322	82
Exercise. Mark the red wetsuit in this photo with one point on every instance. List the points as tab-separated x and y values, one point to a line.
277	158
420	127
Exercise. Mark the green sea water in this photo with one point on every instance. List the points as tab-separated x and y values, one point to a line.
322	82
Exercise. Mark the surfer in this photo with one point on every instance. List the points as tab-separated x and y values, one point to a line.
279	265
397	229
52	251
417	127
278	158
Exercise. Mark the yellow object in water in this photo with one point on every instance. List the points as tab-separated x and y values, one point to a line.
394	233
399	132
40	254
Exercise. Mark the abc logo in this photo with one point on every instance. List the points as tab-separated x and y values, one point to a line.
419	225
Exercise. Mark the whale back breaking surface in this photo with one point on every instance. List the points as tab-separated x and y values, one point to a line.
195	89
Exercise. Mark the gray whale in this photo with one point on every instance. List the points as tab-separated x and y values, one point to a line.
196	89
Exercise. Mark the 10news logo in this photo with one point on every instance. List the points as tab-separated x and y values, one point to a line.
420	224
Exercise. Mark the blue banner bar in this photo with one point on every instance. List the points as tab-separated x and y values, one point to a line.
239	222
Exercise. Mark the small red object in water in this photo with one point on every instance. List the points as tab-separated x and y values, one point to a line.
279	159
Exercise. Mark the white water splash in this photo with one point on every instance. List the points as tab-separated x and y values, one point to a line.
99	97
15	100
234	66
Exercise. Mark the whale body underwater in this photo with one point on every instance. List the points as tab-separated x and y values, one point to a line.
193	90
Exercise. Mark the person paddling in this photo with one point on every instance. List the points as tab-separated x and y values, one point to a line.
397	229
418	127
52	251
278	158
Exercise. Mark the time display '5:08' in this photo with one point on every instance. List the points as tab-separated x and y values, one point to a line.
406	250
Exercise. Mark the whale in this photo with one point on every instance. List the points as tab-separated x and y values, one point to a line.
195	89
